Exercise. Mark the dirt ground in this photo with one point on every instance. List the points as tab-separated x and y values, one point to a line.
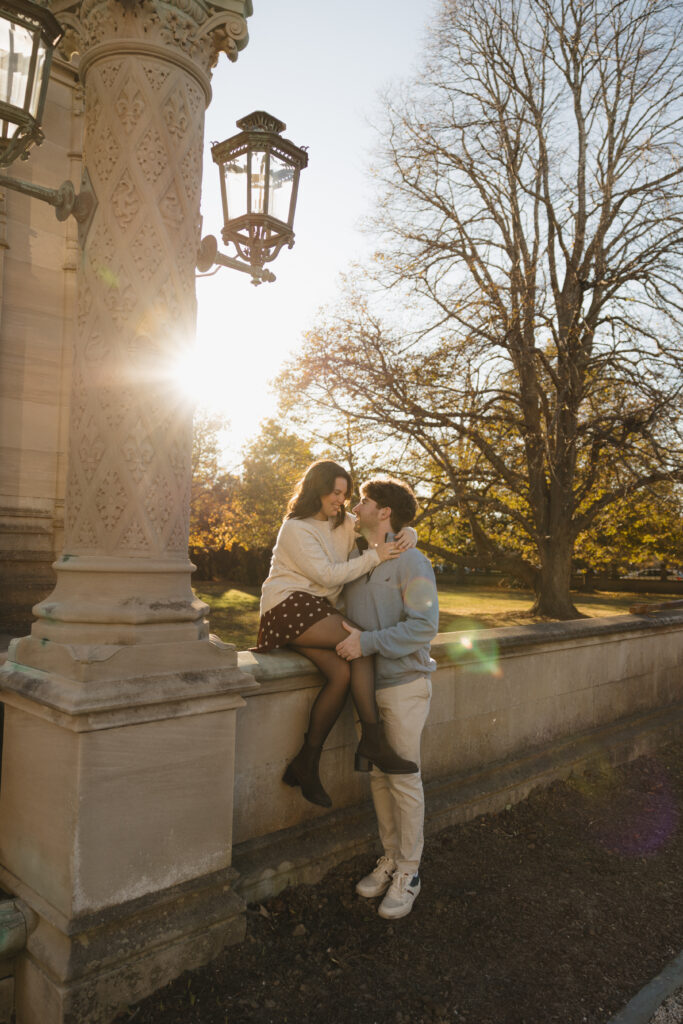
558	909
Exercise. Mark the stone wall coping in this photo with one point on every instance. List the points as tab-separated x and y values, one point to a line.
512	638
283	664
279	665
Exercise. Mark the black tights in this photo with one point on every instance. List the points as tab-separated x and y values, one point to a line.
318	643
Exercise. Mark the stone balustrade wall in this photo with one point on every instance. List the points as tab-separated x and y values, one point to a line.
511	708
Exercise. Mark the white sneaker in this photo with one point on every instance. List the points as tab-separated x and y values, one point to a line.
399	900
378	880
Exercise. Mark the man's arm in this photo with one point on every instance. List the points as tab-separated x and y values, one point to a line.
417	629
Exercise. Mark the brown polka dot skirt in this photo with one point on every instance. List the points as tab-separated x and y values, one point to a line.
282	624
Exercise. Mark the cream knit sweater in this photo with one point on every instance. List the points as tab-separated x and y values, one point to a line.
310	555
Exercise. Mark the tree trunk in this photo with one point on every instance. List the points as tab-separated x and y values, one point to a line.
552	586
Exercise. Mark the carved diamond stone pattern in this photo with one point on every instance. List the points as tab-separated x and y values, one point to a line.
125	200
157	76
177	540
110	498
171	208
84	305
135	290
86	535
151	155
192	172
117	405
147	251
130	106
74	504
179	462
91	450
79	400
119	298
176	116
106	155
93	116
158	502
109	73
138	453
134	539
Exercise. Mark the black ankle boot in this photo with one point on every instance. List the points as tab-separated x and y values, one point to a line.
303	771
374	748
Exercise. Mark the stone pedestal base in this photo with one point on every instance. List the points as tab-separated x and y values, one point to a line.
91	971
116	807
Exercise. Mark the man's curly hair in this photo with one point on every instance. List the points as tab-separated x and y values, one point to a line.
388	492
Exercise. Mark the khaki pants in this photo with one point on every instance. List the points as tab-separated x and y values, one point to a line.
399	799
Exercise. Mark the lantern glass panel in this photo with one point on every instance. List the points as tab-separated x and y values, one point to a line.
259	182
280	188
38	80
235	174
16	48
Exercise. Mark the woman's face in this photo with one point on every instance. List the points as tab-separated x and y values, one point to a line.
332	502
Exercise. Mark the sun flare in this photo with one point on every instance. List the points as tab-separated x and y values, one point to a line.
190	377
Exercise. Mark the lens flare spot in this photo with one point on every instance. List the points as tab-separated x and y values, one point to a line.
644	827
628	822
476	652
107	277
419	594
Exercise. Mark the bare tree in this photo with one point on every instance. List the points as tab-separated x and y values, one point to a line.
530	231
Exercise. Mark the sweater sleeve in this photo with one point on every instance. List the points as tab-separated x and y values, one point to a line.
411	530
421	611
303	549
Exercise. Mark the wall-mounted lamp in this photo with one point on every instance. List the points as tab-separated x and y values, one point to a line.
259	175
28	36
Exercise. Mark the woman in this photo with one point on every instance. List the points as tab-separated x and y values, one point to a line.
309	567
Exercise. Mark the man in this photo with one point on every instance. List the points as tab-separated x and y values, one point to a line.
397	606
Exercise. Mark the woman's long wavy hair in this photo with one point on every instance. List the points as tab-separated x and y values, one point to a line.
318	480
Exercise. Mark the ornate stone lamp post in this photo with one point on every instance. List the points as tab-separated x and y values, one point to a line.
117	781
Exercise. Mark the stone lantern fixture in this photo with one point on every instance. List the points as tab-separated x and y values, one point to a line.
259	177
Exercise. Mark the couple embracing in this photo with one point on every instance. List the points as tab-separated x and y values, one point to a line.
377	650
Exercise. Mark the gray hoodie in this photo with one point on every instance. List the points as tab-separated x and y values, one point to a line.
397	607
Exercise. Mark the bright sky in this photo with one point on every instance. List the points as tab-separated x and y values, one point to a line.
318	66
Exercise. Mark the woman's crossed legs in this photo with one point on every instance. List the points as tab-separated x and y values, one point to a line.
318	644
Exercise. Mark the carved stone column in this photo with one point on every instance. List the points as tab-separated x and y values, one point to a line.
117	784
124	576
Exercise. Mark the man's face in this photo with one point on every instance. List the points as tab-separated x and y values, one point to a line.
369	515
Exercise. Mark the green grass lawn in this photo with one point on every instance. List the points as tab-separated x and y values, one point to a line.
234	608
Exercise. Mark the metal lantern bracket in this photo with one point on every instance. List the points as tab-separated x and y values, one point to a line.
208	256
64	199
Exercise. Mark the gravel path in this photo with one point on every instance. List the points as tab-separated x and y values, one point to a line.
671	1010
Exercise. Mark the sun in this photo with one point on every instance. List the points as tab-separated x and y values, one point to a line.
213	380
188	375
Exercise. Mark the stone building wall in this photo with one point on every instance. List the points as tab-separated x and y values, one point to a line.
38	260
